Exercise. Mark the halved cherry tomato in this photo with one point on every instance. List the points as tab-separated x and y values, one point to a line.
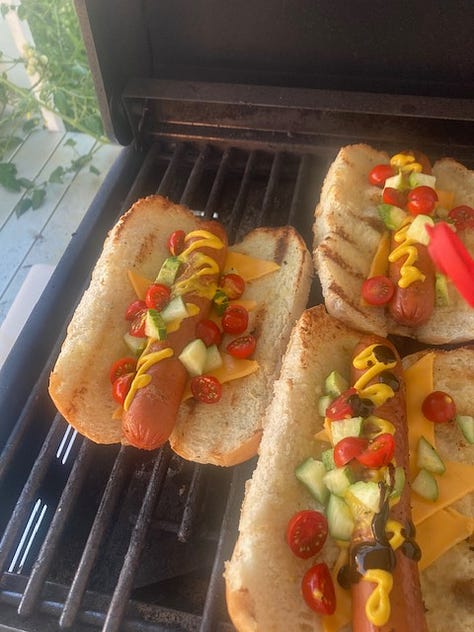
462	217
348	448
121	386
379	452
235	319
176	242
439	407
206	389
306	533
422	199
395	197
378	290
209	332
318	589
121	367
380	173
134	309
233	285
342	407
137	326
242	347
157	296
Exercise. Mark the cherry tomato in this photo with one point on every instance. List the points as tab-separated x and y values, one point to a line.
378	290
348	448
176	242
422	200
342	407
439	407
318	589
379	452
306	533
235	319
137	326
206	389
462	217
242	347
394	196
233	285
157	296
134	309
121	367
380	173
121	386
209	332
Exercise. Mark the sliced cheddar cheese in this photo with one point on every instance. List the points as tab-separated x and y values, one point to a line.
249	268
343	612
231	369
441	531
139	283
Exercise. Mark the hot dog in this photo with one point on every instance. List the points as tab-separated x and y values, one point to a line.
127	371
273	586
373	244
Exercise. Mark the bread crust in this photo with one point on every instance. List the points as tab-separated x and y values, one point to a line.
263	576
347	231
79	383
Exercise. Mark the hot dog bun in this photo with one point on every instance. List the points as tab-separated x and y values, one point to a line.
263	576
223	433
347	231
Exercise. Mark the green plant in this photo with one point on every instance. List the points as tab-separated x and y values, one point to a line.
63	85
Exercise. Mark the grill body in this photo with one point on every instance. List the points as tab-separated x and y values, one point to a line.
242	128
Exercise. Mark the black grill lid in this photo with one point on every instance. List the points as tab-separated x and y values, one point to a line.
398	48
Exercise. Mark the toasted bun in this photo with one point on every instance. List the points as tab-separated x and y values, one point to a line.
347	231
263	577
223	433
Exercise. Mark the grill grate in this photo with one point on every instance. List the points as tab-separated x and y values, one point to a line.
98	537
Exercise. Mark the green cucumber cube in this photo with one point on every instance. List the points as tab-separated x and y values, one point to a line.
194	356
213	360
311	473
466	424
441	290
427	457
426	485
168	271
327	457
363	496
155	326
335	384
338	480
175	310
324	402
342	428
417	229
392	216
339	517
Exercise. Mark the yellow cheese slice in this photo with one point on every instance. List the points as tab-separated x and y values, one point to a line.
249	268
441	531
231	369
343	612
456	482
379	263
139	283
419	383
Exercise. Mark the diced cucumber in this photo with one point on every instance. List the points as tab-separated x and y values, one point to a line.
168	271
363	495
221	301
392	216
395	182
346	428
466	424
425	485
194	356
213	359
418	179
441	290
399	482
338	480
155	326
323	404
335	384
175	310
311	473
427	457
417	229
340	520
135	344
327	457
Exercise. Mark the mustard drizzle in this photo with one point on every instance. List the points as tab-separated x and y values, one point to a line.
409	273
379	392
377	607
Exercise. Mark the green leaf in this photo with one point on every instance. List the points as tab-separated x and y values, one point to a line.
70	142
26	183
57	175
94	170
23	205
37	198
30	125
8	177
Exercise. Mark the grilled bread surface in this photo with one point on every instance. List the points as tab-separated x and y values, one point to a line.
347	231
222	433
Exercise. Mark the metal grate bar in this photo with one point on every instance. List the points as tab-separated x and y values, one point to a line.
48	549
239	204
91	549
217	185
191	507
123	588
194	177
299	188
271	186
35	478
172	168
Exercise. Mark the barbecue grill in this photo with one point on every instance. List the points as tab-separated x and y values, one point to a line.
236	110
